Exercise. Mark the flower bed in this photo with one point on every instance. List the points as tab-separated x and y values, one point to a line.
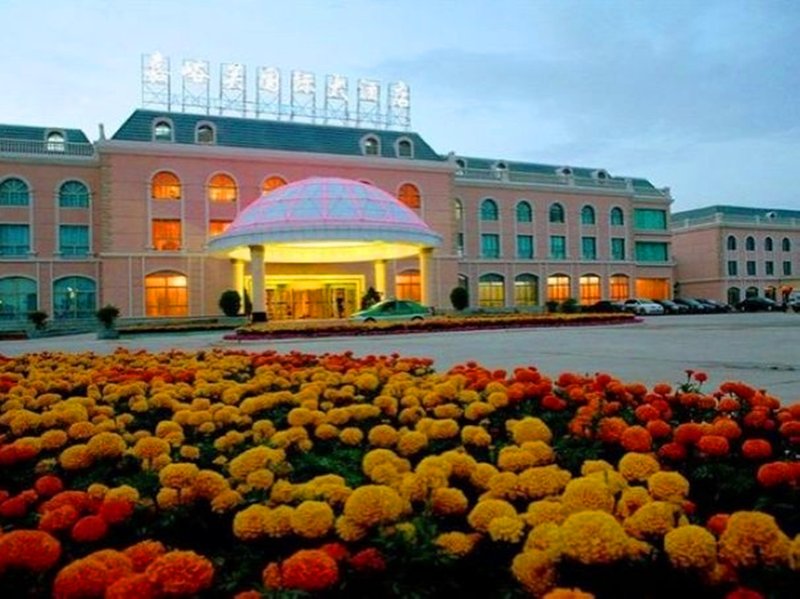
222	474
284	329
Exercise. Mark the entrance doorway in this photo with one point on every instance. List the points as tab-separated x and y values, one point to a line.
299	297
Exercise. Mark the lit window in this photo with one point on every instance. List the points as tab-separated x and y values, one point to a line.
162	131
556	213
272	183
205	134
217	227
491	291
407	285
17	297
619	287
557	288
408	194
222	188
370	146
589	289
73	194
587	215
524	212
165	186
526	290
489	210
458	211
73	240
15	240
55	142
166	235
74	297
14	192
405	149
617	217
166	294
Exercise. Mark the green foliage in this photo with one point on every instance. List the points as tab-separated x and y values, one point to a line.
230	303
107	315
370	298
570	306
552	306
39	319
459	298
327	458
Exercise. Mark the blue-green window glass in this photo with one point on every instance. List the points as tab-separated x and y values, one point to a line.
769	267
73	194
74	297
651	251
786	245
524	247
556	213
460	242
646	218
14	192
733	268
17	297
751	268
558	247
73	240
731	242
618	248
589	248
526	290
750	244
787	267
489	210
617	217
524	213
769	245
587	215
490	245
15	240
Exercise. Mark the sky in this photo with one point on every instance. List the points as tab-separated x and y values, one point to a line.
700	96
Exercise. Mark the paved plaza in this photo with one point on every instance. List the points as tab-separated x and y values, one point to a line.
761	349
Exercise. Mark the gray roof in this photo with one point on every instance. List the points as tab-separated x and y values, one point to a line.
29	133
735	211
264	134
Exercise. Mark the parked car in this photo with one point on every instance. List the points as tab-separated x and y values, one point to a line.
604	306
671	307
714	305
392	310
694	306
794	303
642	306
759	304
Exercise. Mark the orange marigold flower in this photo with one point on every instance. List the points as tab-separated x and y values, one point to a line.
610	430
135	586
726	427
32	550
368	560
717	523
636	438
181	573
568	594
674	452
774	474
713	445
143	553
61	518
85	577
688	433
89	529
271	576
752	539
658	428
309	570
790	428
646	412
756	449
336	550
48	485
690	547
77	499
248	595
16	507
116	510
744	593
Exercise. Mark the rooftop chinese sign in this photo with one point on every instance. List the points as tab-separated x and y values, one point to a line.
272	95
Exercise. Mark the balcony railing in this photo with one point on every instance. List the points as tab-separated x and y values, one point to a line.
477	174
45	148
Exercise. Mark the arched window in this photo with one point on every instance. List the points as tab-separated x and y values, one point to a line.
731	243
489	210
74	297
56	142
162	131
17	297
408	194
491	291
617	217
587	215
526	290
751	292
750	244
768	244
786	245
272	183
370	146
165	186
734	296
205	134
14	192
166	294
222	188
556	213
619	287
407	285
557	288
589	289
524	212
462	165
73	194
405	149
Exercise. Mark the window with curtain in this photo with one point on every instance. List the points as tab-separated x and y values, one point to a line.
73	240
165	186
14	192
409	195
651	251
558	247
73	194
650	219
15	240
524	212
556	213
17	297
491	291
525	247
589	289
489	210
526	290
490	245
74	297
617	217
167	234
619	286
557	288
618	248
166	294
272	183
222	188
408	285
589	248
587	215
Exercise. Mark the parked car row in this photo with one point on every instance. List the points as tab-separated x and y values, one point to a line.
683	305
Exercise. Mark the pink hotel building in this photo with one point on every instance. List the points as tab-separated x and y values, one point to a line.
126	220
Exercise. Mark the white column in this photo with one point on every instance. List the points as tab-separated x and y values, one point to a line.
257	273
380	277
237	278
425	275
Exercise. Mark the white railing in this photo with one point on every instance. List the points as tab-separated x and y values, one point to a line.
45	148
477	174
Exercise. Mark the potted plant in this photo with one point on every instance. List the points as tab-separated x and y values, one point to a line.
459	297
39	320
107	315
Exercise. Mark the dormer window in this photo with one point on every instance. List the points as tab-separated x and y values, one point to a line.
162	131
370	146
55	142
565	171
462	165
205	134
602	175
405	149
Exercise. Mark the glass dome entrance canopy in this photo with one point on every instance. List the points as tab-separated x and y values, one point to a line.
326	219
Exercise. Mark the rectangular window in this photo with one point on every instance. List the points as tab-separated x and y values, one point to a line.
73	240
166	234
649	219
618	248
787	267
769	267
525	247
651	251
589	248
15	240
733	268
460	243
490	245
217	227
558	247
751	268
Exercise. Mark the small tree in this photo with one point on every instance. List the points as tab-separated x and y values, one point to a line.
369	298
39	319
230	303
459	297
107	315
552	305
570	306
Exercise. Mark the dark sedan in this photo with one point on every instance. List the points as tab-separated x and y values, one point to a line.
604	306
671	307
759	304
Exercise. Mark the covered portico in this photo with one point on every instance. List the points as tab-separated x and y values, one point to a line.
325	220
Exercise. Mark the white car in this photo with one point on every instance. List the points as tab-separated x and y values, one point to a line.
642	306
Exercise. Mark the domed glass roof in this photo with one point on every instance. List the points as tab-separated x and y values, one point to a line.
326	219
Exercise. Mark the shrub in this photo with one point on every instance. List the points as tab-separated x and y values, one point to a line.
459	297
570	306
107	315
552	306
230	303
38	318
369	298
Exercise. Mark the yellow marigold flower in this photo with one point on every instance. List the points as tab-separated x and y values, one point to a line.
253	459
373	504
407	531
593	537
448	410
446	501
639	549
482	474
531	429
125	492
81	430
638	467
382	435
363	412
189	452
498	399
262	430
411	416
462	465
412	488
587	494
478	410
349	530
542	453
631	500
476	436
261	479
75	457
278	521
300	417
794	553
561	593
457	544
385	474
387	404
691	547
209	483
612	479
281	491
508	529
226	501
248	524
377	457
654	519
546	537
503	485
351	436
443	429
305	445
535	570
367	381
159	462
170	431
106	445
54	439
411	442
97	490
543	481
312	519
178	476
668	486
326	432
229	441
544	511
168	498
138	404
434	470
468	396
753	539
488	509
514	459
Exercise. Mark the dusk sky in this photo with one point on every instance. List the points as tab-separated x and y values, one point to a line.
700	96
